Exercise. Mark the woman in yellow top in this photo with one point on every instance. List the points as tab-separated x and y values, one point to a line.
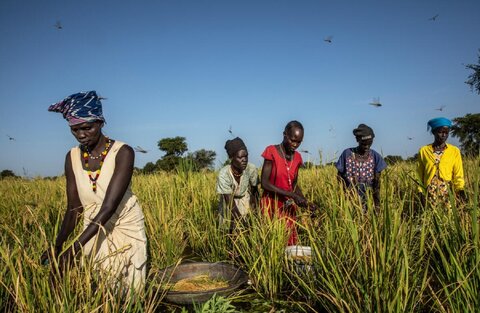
440	165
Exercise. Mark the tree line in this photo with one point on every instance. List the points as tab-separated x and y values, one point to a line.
175	158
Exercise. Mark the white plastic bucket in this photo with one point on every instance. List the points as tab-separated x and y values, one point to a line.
301	256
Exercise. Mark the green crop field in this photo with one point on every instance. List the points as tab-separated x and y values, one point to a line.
400	259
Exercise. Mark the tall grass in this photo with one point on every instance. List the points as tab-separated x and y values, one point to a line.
401	258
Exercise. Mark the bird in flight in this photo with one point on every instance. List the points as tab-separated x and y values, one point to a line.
140	149
441	108
376	102
230	131
328	39
409	138
10	138
433	18
58	25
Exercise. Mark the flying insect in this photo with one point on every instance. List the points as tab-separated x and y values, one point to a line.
376	102
140	149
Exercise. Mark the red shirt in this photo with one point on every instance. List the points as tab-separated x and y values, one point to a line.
284	173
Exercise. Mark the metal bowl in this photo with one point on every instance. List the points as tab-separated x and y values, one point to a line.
224	271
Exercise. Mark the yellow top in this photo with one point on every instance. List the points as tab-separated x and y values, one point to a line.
450	167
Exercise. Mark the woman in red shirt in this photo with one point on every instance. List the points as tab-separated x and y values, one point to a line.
281	194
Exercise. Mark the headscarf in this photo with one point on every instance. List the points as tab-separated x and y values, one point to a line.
363	132
80	108
435	123
234	145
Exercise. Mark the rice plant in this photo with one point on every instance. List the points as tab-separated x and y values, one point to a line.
400	258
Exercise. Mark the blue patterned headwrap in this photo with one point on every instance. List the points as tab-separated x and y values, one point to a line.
435	123
80	108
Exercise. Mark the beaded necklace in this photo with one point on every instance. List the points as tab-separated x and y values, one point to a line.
287	166
235	174
361	157
441	147
87	155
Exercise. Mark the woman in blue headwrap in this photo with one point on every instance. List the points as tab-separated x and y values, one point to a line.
440	165
98	174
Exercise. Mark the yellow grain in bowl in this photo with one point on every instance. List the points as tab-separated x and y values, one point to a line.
201	282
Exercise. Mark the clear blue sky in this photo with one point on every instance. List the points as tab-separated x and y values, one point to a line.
195	68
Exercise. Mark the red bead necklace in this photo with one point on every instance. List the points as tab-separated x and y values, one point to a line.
287	166
87	155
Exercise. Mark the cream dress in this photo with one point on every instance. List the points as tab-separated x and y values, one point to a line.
120	247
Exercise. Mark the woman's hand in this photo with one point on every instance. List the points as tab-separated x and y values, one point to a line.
300	200
312	207
48	256
66	260
462	196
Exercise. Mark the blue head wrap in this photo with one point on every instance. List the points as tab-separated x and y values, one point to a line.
438	122
80	108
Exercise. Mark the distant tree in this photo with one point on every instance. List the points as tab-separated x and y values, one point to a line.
474	78
168	162
392	159
467	130
173	146
7	173
412	158
173	159
202	159
149	168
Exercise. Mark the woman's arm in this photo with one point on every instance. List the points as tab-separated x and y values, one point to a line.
72	214
458	178
228	198
235	212
267	185
116	190
421	170
254	200
301	201
254	191
457	173
376	189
